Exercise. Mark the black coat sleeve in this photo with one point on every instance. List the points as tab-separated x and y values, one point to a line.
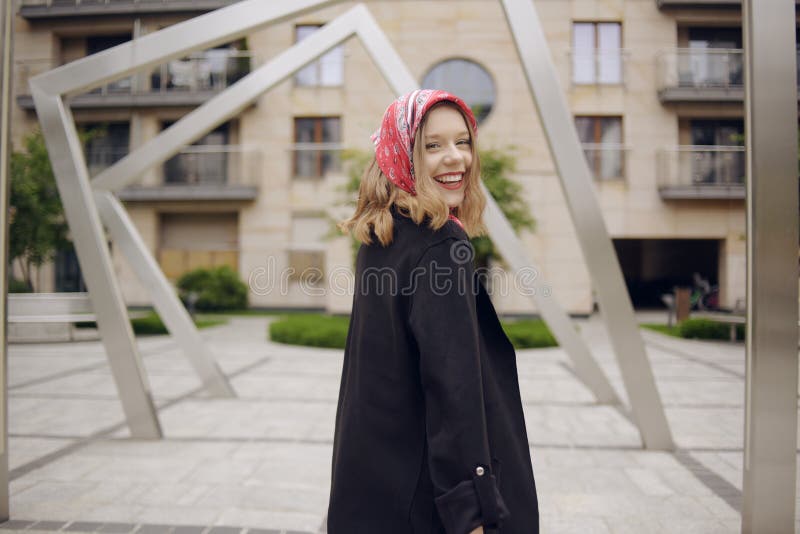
444	322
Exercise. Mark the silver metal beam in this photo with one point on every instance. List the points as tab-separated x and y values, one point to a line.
7	52
72	178
173	42
513	251
578	186
169	308
770	442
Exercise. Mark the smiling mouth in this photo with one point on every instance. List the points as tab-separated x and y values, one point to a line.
450	181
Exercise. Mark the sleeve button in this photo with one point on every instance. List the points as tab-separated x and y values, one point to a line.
479	471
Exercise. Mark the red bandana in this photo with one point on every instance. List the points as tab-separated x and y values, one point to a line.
394	140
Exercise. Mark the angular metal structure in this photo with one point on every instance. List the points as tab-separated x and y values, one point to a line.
84	198
770	411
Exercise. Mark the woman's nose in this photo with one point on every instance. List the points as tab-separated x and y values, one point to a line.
453	154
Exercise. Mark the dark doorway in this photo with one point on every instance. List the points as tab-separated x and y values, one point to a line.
653	267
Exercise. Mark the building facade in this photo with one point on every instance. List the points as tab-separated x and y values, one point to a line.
655	87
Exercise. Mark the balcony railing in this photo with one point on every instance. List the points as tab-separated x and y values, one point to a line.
606	160
185	81
593	67
701	68
701	172
66	8
205	172
315	160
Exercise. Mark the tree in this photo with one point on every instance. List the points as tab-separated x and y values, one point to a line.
496	166
38	228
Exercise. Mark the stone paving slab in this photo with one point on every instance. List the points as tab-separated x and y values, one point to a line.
260	463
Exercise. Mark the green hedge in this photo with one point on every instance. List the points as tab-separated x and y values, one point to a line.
217	289
699	329
151	324
18	286
708	329
311	330
317	330
529	334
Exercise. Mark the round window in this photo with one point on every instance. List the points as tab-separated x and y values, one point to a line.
465	79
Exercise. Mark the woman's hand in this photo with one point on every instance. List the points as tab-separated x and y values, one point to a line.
478	530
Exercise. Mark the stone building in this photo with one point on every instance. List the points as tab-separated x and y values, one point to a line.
655	87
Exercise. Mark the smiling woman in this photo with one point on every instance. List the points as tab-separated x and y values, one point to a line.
429	405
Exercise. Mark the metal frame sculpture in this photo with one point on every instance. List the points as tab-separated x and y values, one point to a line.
87	202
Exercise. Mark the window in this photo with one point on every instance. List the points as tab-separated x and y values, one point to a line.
307	252
208	70
596	53
715	154
98	43
601	138
316	146
467	80
327	70
203	162
106	144
714	58
189	241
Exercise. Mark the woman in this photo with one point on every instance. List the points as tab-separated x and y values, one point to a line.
429	406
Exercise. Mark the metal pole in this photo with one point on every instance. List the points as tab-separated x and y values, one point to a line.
6	38
770	424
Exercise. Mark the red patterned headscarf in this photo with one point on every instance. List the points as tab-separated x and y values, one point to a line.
394	140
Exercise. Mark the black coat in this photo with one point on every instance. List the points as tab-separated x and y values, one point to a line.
430	435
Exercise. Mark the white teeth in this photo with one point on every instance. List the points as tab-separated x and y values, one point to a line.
450	178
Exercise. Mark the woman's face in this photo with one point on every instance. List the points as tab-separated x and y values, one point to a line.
447	153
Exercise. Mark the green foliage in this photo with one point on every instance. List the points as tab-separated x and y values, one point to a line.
151	324
698	329
18	286
38	228
496	166
529	334
216	289
317	330
311	330
708	329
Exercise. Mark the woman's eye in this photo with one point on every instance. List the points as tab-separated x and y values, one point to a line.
430	146
464	142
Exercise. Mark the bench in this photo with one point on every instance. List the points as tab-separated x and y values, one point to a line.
40	317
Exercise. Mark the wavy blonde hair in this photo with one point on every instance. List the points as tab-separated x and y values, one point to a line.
377	194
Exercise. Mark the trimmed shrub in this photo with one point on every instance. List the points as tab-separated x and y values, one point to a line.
18	286
317	330
708	329
151	324
217	289
311	330
529	334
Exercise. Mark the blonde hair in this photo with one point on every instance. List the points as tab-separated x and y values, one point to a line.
376	196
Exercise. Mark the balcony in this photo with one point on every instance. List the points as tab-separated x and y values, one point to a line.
694	4
204	173
701	75
694	172
51	9
183	82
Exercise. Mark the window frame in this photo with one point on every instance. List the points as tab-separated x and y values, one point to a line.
595	54
320	172
595	164
317	64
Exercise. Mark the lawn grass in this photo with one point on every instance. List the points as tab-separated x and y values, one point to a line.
151	324
698	329
319	330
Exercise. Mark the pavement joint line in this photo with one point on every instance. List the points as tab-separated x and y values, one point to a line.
77	370
710	479
686	356
40	462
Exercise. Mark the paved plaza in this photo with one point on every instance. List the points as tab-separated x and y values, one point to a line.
260	463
